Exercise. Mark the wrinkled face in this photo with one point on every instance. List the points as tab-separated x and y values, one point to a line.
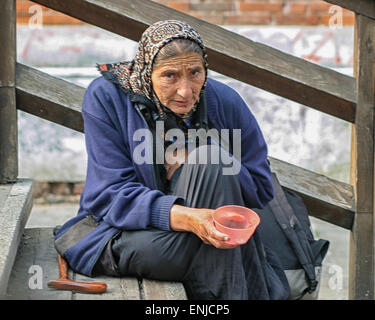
178	81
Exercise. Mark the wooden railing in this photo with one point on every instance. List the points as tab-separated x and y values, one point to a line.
349	98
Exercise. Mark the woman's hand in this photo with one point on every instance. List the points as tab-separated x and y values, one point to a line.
200	222
173	161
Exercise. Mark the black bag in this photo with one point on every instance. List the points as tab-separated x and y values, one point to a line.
285	228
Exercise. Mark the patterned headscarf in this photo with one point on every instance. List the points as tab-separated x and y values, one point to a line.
135	76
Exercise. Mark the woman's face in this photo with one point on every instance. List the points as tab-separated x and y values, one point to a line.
178	81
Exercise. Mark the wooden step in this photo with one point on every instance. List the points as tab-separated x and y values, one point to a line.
36	264
15	205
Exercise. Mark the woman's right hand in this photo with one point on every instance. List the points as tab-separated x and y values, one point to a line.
200	222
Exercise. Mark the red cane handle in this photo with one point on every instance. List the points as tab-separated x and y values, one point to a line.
78	286
63	268
64	283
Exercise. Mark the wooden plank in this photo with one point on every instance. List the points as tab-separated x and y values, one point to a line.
162	290
363	7
36	257
4	193
13	216
229	53
124	288
325	198
8	111
50	98
362	262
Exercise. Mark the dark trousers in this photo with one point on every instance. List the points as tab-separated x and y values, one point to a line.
206	272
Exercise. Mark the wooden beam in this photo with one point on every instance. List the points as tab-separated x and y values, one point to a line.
362	263
325	198
363	7
49	98
60	101
8	111
229	53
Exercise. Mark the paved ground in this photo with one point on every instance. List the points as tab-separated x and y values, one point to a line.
334	283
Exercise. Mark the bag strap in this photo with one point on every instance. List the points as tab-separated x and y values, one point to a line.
287	220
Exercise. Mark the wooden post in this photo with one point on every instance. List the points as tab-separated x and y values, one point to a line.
8	111
362	267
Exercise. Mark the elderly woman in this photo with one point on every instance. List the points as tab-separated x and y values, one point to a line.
153	218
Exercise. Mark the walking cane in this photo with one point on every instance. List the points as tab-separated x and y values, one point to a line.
64	283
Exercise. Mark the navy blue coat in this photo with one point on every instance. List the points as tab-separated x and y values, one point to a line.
122	195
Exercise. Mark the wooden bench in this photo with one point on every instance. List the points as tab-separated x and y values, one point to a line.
36	264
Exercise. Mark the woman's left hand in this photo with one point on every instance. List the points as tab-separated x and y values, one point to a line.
200	222
173	161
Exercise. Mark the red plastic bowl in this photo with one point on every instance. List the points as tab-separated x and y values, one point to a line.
238	222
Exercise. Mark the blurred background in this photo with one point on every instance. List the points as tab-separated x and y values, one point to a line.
65	47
